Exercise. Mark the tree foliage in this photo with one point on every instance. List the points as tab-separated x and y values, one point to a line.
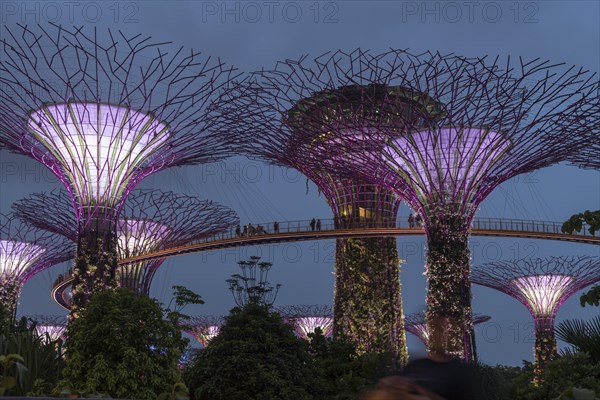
584	336
342	373
559	377
592	297
575	223
41	356
255	356
123	346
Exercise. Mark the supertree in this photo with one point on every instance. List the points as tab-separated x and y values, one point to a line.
473	123
204	328
291	112
149	220
416	324
53	325
306	318
541	285
102	111
25	251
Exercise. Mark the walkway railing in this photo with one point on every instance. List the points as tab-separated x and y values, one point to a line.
272	232
327	228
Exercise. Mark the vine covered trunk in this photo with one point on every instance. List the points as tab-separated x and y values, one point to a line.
368	301
9	298
449	313
545	346
96	261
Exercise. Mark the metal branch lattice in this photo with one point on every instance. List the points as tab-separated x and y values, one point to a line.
541	285
204	328
25	251
434	128
104	110
150	220
306	318
439	131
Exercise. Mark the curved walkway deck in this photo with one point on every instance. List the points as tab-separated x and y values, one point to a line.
303	230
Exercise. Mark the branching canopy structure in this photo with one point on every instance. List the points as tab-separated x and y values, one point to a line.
306	318
204	328
541	285
149	220
25	251
292	112
103	110
460	128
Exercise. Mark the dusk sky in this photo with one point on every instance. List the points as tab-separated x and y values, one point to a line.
251	35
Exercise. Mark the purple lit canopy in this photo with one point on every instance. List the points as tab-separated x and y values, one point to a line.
103	110
306	318
25	251
541	285
150	220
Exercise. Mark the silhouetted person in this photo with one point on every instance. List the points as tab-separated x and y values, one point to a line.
238	230
318	224
336	222
245	230
313	222
411	221
276	227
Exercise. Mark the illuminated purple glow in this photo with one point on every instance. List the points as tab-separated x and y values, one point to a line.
205	328
17	257
136	237
543	293
417	325
205	334
420	331
305	325
450	161
55	332
98	146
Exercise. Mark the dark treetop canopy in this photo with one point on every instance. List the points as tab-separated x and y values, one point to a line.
103	110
